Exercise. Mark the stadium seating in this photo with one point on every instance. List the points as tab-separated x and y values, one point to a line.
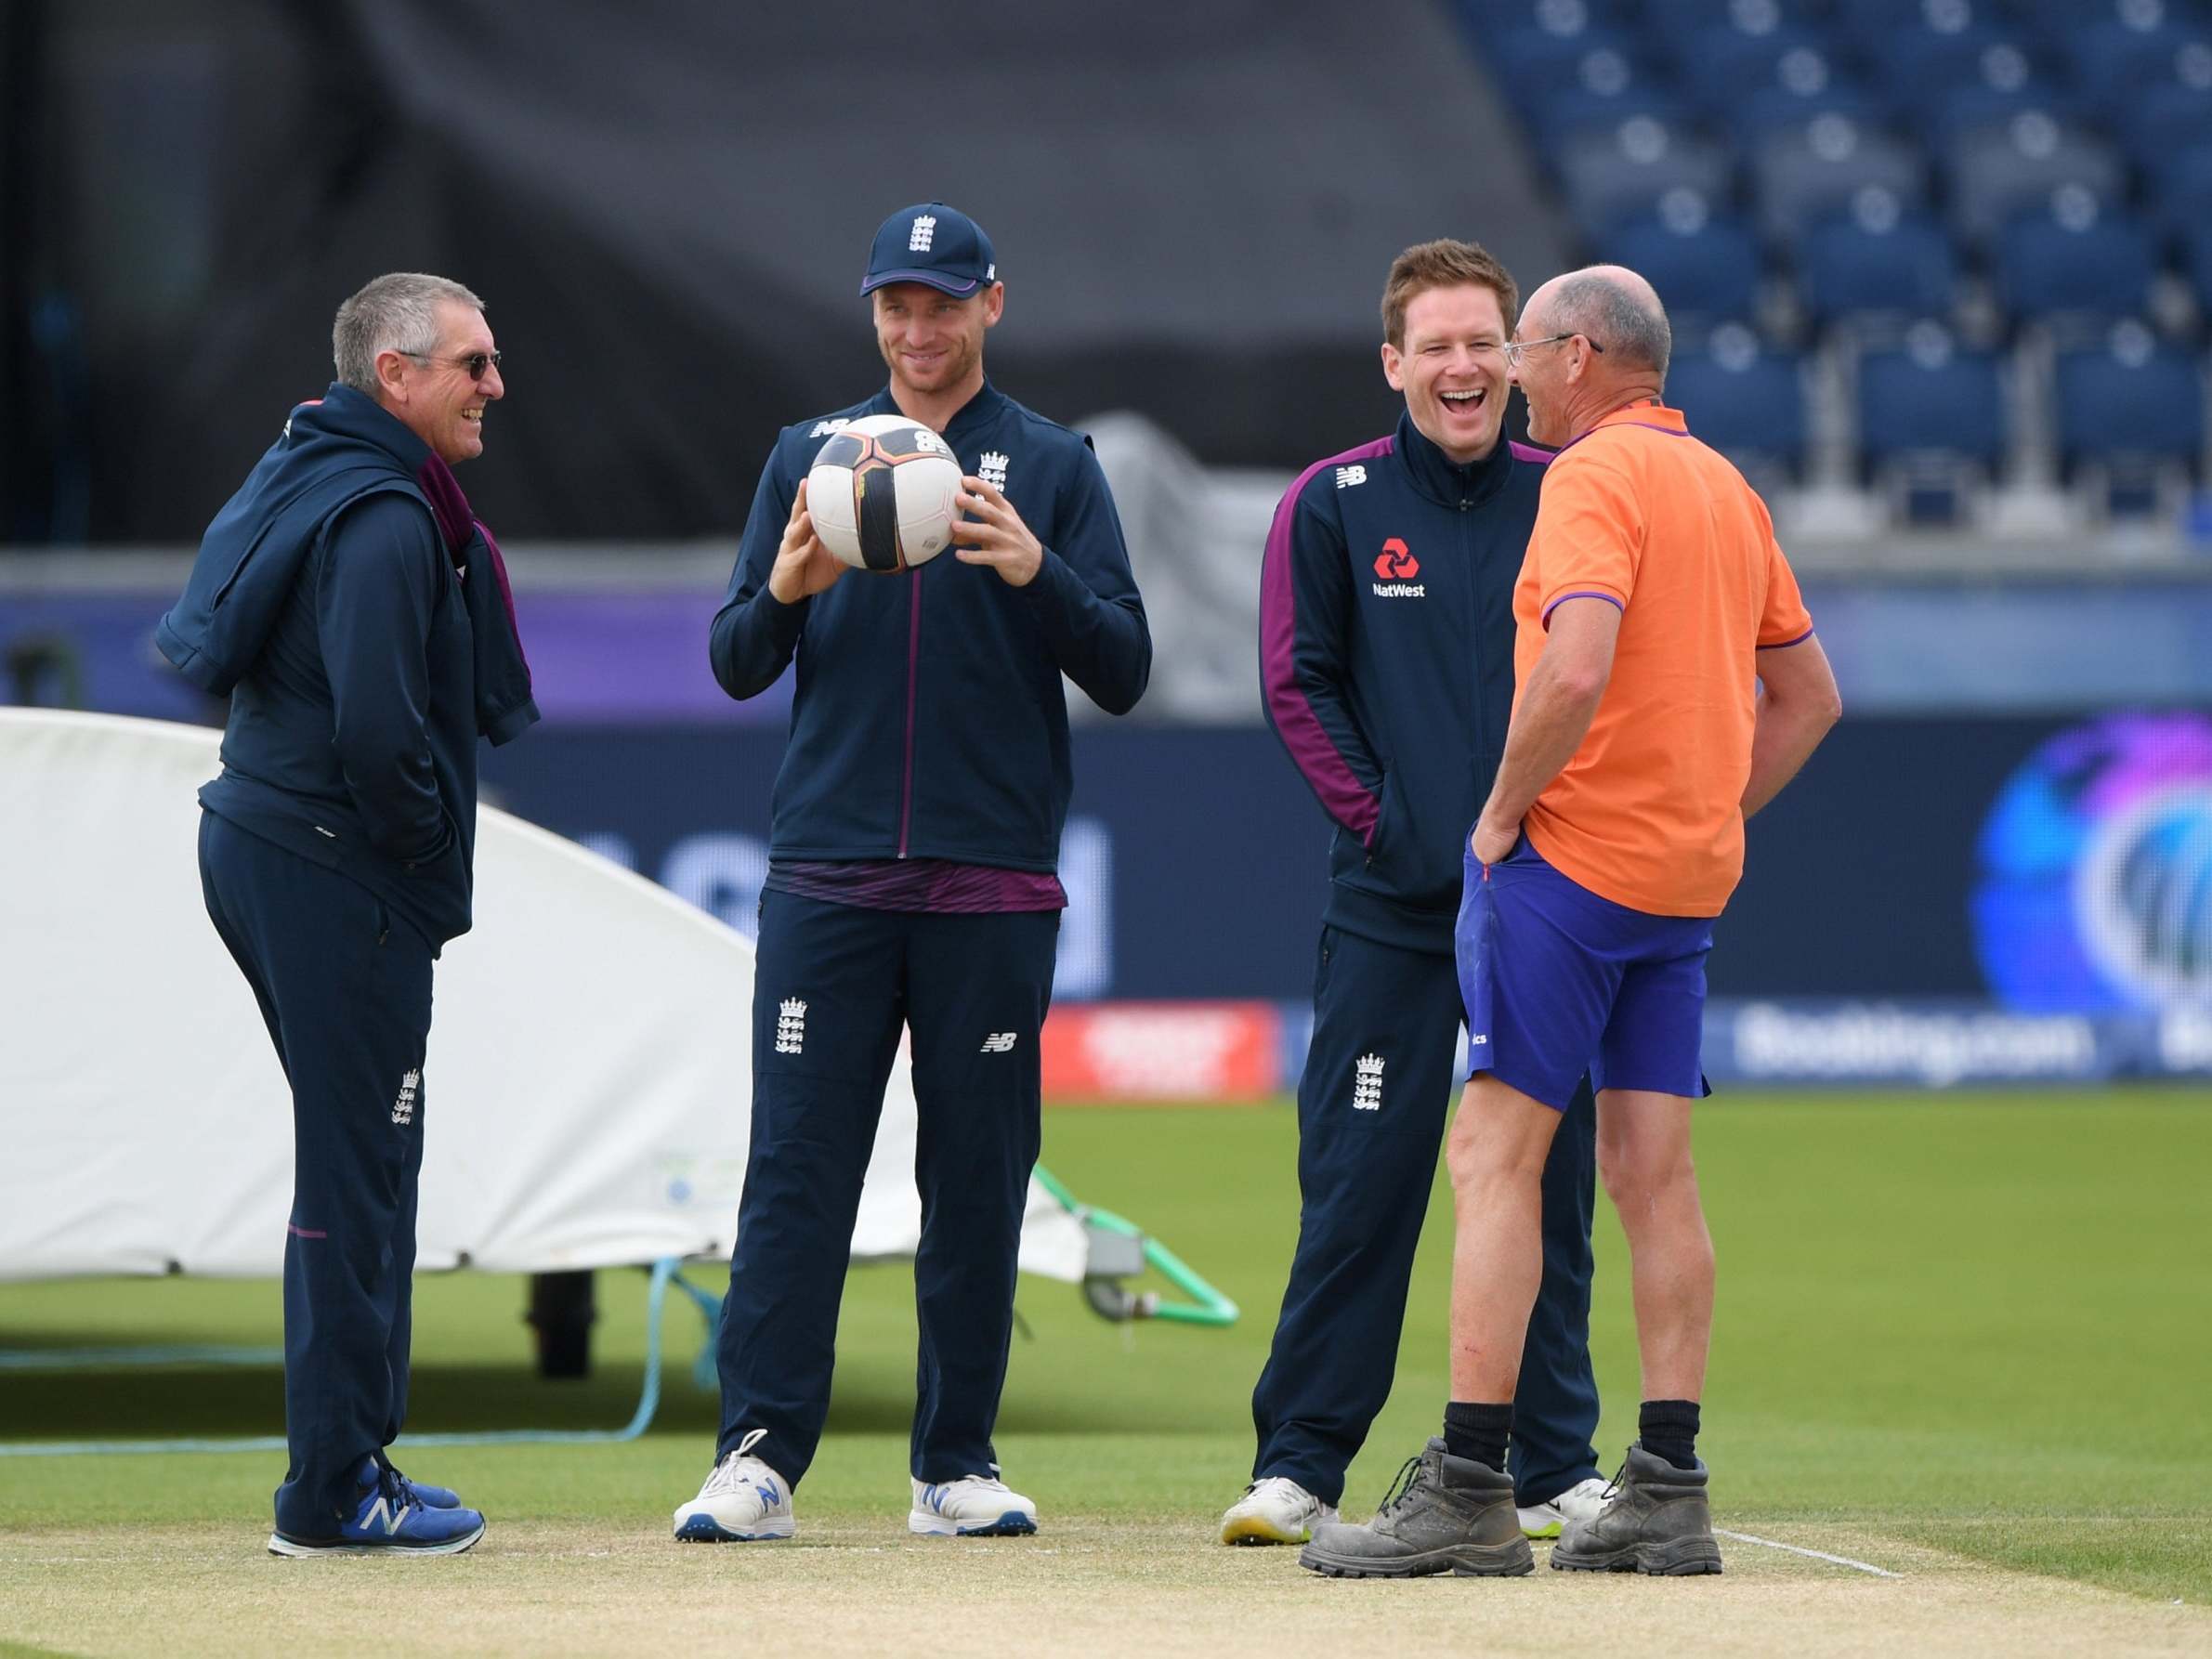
1931	423
2074	264
1926	211
1746	402
1709	268
2131	419
1621	175
1876	265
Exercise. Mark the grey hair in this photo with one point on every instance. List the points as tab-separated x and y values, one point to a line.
394	312
1635	335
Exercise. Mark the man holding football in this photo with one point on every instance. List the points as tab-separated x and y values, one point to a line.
911	885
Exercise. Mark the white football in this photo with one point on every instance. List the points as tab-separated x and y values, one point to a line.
883	491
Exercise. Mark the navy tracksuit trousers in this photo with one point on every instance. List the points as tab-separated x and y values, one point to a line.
345	988
833	985
1367	1144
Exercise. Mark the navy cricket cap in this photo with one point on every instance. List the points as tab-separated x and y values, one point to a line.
930	242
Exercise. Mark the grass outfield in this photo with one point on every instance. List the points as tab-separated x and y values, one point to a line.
1965	1338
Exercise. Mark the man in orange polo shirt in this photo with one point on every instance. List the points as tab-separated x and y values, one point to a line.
1668	686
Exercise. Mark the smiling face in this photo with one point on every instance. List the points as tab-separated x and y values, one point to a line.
1452	368
1543	372
932	342
435	400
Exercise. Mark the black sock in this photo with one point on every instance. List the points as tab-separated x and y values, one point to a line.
1477	1431
1668	1429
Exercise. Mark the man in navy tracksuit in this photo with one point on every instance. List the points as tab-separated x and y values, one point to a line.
911	881
358	617
1386	659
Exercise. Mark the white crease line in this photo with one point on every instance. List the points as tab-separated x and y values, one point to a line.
1818	1555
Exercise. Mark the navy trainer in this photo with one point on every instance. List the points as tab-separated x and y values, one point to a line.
393	1519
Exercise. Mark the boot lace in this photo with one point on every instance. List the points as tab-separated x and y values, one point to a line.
731	1474
1408	1482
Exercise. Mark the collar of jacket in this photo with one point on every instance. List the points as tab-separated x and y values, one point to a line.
978	411
1445	481
344	412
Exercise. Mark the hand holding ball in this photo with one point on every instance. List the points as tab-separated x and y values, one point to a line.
883	492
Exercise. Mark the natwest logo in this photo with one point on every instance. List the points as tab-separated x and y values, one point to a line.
1396	562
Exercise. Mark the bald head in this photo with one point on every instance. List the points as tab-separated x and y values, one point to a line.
1614	306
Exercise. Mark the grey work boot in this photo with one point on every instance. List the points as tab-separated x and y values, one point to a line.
1656	1520
1443	1514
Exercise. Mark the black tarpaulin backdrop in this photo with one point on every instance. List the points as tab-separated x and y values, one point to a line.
668	206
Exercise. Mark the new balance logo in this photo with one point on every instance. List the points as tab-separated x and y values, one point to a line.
823	428
992	469
381	1513
999	1042
924	231
403	1108
791	1026
1349	476
1367	1088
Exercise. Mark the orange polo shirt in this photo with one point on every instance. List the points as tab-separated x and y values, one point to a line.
1649	813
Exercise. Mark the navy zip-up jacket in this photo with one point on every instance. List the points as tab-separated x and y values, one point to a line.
929	720
329	597
1386	663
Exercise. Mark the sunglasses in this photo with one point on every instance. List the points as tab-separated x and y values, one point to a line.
475	363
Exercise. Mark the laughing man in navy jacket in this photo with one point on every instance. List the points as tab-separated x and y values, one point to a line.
357	614
911	881
1387	659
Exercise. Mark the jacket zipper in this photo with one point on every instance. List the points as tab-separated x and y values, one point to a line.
905	796
1472	545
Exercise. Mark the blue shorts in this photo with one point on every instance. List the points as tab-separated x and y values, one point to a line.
1558	982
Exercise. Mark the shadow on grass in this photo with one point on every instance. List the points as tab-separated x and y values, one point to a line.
161	1405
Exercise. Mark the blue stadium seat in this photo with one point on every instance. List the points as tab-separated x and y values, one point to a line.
1929	403
1615	176
1714	63
2196	263
1865	21
1804	177
2129	398
2112	61
1533	67
1983	107
1704	275
1746	403
2180	194
1997	175
1876	265
1609	86
2157	122
2074	265
1552	17
1576	115
1773	113
1915	66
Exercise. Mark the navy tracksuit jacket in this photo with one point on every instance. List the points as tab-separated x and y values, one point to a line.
928	725
1386	662
355	613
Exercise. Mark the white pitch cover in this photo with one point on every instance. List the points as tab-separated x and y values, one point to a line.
584	1099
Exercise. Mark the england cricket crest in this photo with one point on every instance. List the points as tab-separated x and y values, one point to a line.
1367	1088
791	1026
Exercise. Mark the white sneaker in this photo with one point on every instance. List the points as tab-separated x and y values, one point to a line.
1276	1511
743	1501
971	1507
1580	1502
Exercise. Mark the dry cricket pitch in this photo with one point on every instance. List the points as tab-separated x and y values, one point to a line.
1092	1589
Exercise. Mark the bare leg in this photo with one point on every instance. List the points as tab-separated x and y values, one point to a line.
1496	1154
1643	1158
